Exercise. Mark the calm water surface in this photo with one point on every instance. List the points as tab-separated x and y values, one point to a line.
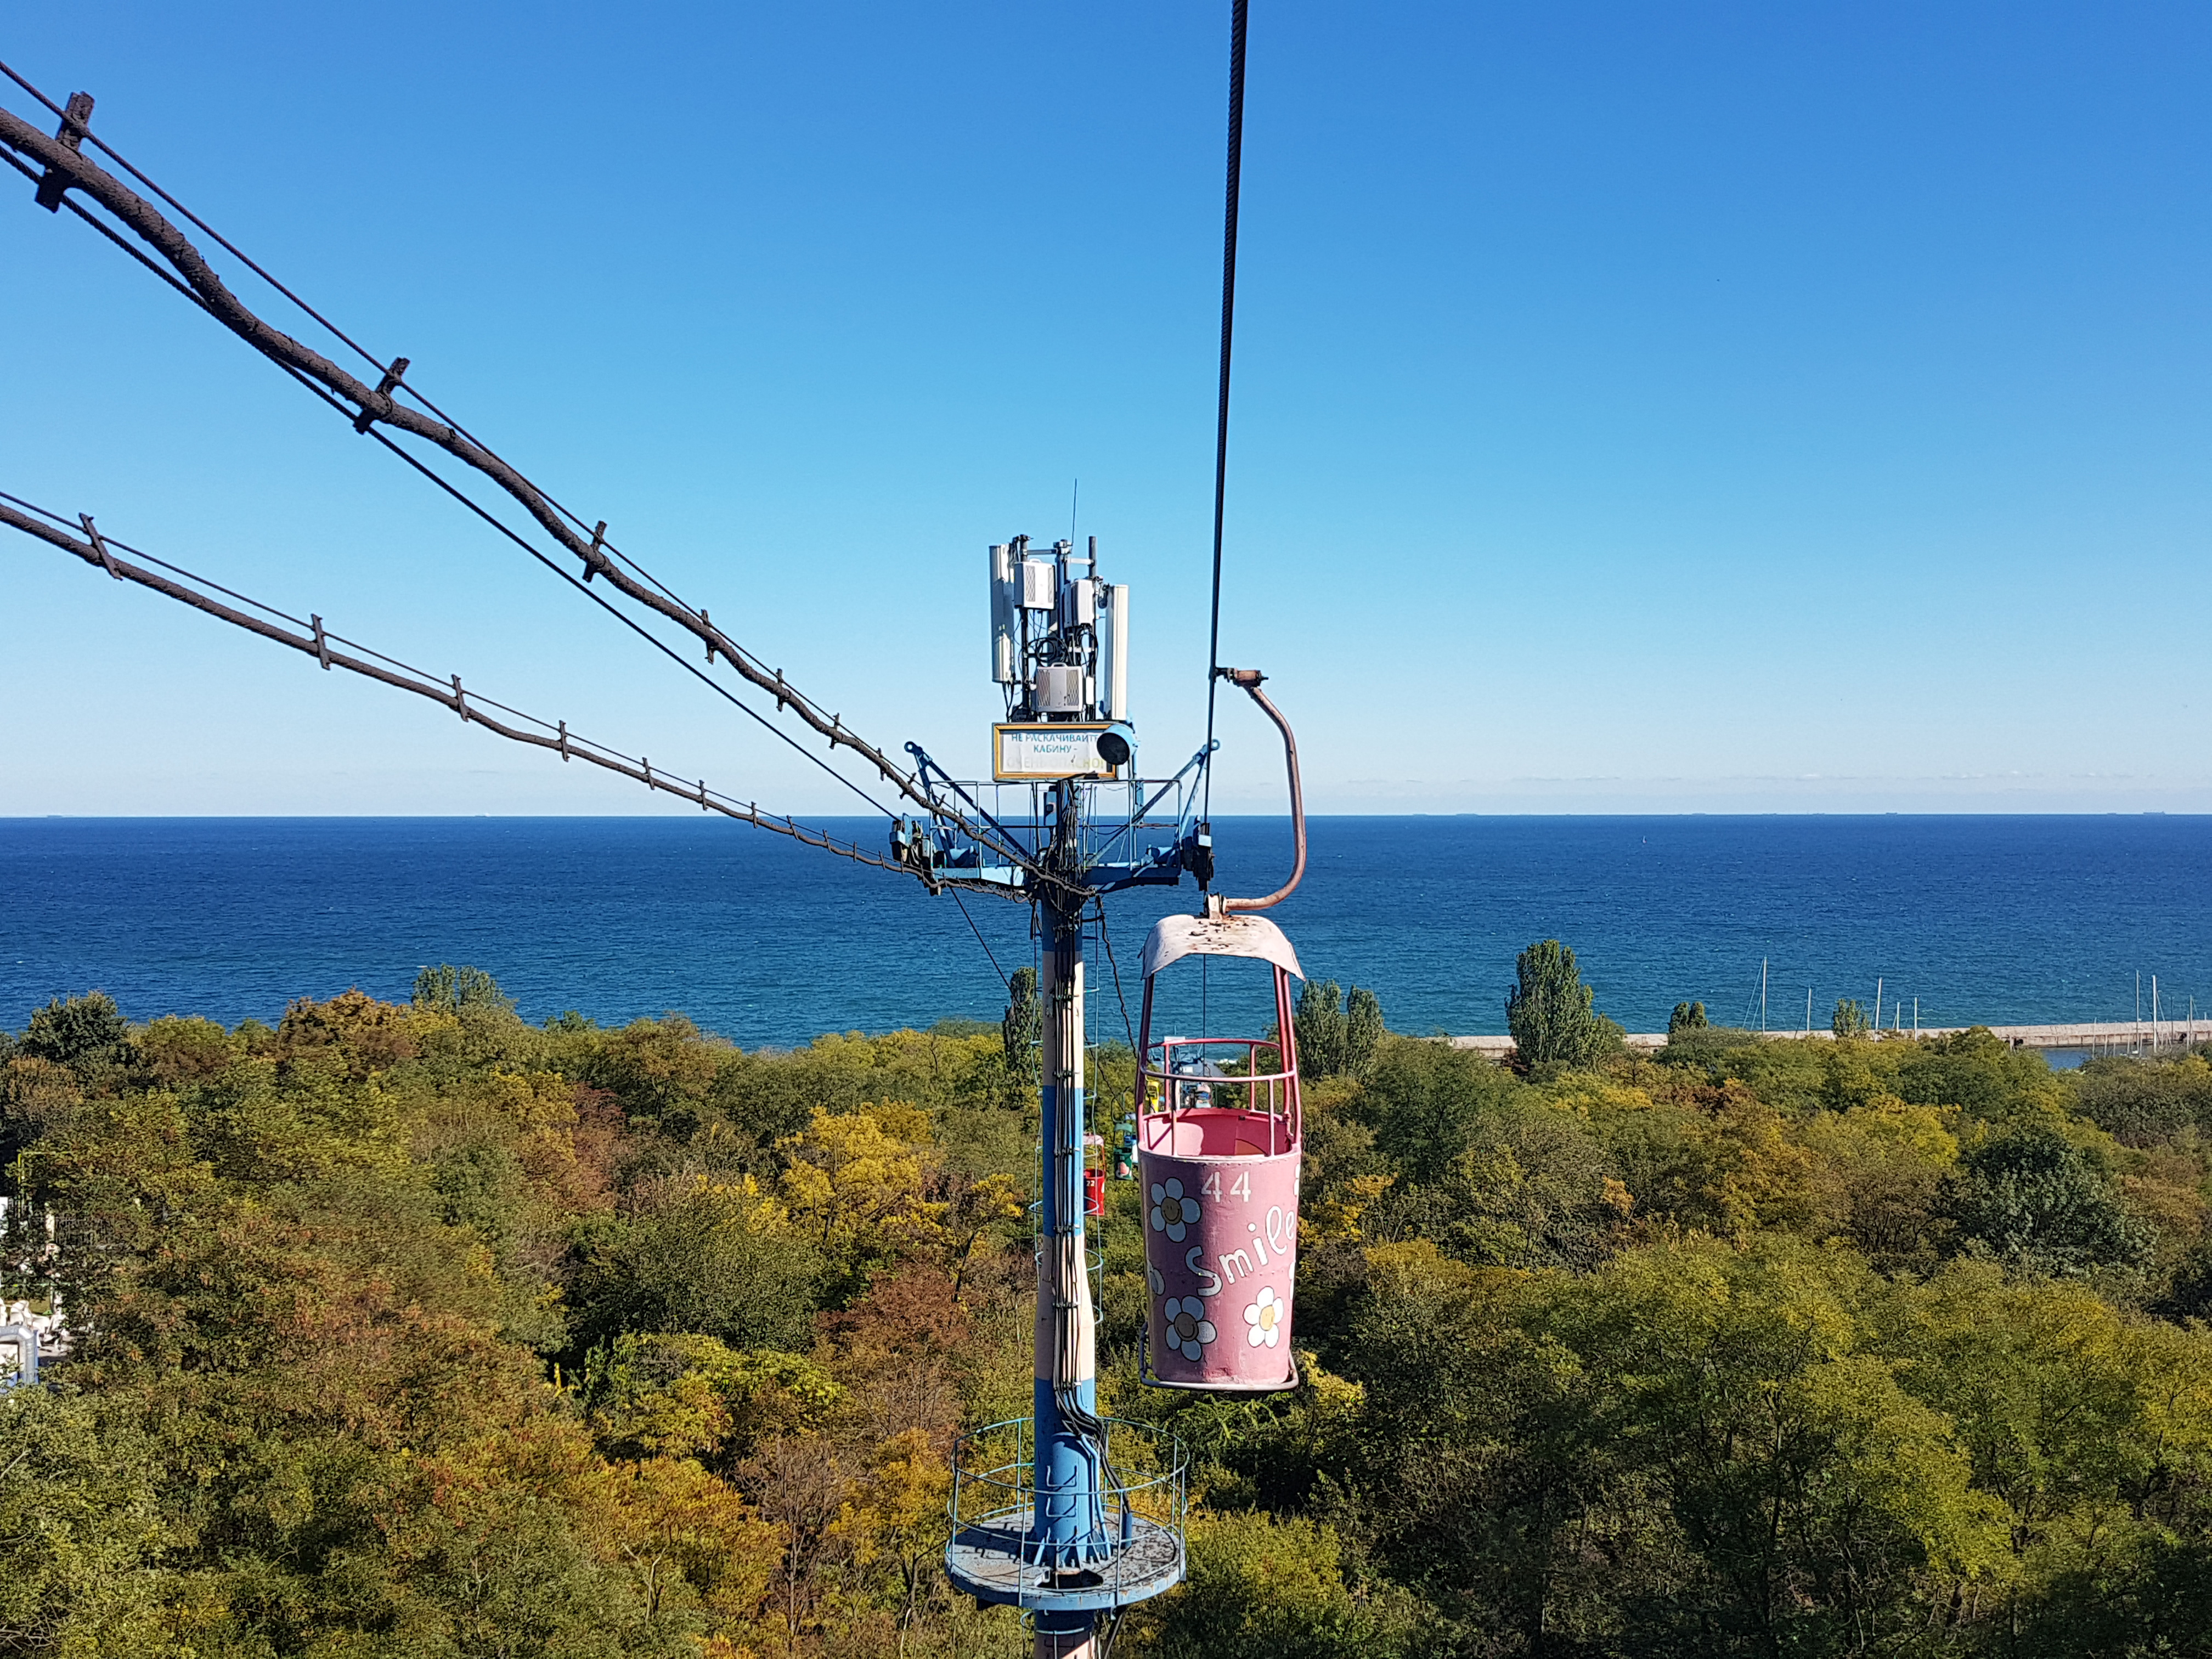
1999	919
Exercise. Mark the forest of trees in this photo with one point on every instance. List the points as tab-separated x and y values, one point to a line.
421	1330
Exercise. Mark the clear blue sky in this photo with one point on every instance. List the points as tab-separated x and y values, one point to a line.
1708	407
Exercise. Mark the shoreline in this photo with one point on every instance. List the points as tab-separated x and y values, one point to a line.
2118	1035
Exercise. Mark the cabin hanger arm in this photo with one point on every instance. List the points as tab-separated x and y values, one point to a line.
1248	679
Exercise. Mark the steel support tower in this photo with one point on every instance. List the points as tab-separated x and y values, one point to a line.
1065	1514
1070	1474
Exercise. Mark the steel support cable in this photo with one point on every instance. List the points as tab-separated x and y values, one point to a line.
753	670
629	622
376	405
720	690
1107	940
117	542
989	954
659	645
598	532
97	550
662	646
1228	335
111	234
85	132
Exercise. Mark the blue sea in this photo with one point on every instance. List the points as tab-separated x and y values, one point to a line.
1996	920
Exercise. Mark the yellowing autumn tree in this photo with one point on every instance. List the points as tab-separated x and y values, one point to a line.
858	1185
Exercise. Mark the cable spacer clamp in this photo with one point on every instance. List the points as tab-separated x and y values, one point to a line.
77	122
99	546
392	376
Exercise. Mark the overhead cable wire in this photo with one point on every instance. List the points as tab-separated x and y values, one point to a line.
662	646
85	134
333	651
474	508
377	405
630	623
373	405
658	644
989	954
1228	335
111	233
1107	940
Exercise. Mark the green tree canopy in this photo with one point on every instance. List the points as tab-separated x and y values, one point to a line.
1023	1028
1320	1023
1338	1032
449	989
79	1032
2034	1198
1549	1010
418	1330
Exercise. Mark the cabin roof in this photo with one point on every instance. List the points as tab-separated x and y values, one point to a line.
1174	937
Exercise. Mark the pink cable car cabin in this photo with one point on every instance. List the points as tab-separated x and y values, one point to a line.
1219	1137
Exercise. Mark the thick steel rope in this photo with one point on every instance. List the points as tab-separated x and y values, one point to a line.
376	405
1228	335
85	134
99	551
651	639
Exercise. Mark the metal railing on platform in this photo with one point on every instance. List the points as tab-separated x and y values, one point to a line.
1135	1551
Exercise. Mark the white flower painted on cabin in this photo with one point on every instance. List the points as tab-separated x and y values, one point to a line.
1159	1285
1263	1319
1188	1329
1171	1212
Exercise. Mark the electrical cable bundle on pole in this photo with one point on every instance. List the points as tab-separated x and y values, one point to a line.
1069	1515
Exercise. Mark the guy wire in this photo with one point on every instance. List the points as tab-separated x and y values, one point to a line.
445	485
109	232
751	667
599	600
719	690
629	622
